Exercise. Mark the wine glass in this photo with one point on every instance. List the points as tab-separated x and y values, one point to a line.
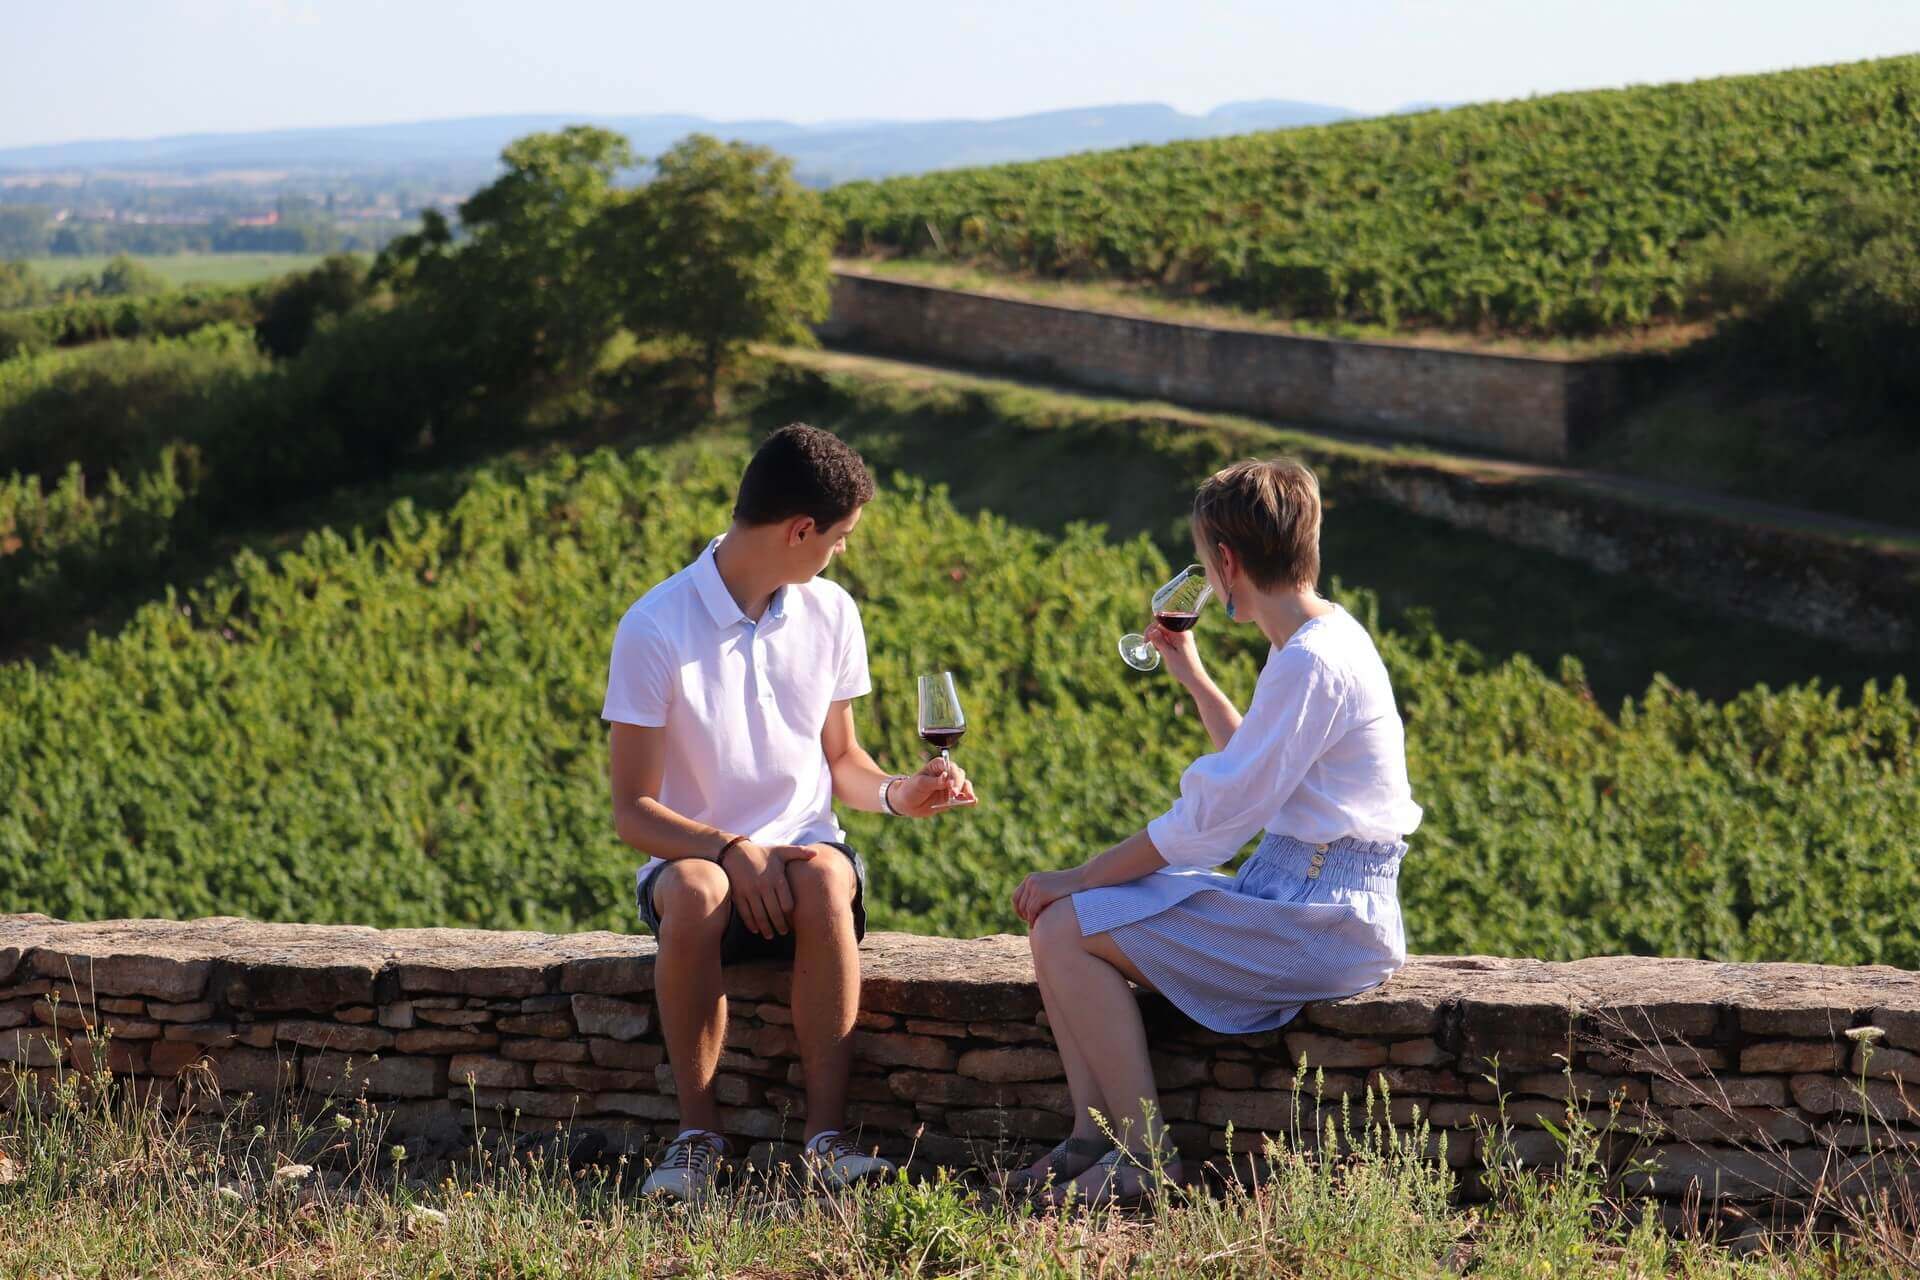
1176	606
941	719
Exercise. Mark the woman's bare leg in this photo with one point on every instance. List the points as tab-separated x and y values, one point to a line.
1103	1019
1081	1084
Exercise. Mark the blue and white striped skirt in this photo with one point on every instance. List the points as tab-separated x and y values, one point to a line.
1300	922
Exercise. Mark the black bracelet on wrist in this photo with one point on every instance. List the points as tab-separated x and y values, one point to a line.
728	845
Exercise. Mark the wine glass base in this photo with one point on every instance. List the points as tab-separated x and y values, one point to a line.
1137	653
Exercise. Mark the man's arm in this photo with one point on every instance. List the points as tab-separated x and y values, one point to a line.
756	875
940	784
638	760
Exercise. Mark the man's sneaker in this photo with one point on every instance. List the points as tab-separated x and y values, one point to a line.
832	1158
688	1167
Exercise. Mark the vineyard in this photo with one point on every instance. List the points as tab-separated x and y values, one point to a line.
1570	214
401	729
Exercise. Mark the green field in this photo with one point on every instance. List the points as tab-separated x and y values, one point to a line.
1568	214
181	269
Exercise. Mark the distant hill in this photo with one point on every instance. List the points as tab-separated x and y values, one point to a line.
832	152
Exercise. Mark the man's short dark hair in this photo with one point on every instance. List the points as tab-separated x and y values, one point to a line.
803	471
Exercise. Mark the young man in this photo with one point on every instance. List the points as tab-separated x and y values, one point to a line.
730	698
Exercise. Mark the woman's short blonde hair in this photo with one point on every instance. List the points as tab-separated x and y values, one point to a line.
1269	513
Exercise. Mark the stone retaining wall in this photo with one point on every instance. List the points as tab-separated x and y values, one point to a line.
448	1029
1524	406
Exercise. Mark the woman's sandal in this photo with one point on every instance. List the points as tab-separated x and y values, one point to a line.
1067	1161
1120	1165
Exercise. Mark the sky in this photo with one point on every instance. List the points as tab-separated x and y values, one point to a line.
81	69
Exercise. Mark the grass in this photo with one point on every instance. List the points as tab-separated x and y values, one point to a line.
180	269
1726	430
98	1182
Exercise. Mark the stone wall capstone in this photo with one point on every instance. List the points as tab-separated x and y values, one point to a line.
1729	1078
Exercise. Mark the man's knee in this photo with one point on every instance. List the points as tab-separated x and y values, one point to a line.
823	885
690	896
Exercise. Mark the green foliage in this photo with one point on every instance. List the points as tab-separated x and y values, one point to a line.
722	248
125	277
20	336
523	297
1849	309
163	315
20	286
114	406
1566	214
292	308
68	547
403	730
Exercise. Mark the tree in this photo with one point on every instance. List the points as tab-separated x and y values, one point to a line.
292	307
721	249
20	286
521	294
124	277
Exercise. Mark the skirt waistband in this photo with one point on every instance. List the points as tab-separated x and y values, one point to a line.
1348	862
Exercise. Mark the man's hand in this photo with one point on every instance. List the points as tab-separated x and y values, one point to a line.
940	784
757	876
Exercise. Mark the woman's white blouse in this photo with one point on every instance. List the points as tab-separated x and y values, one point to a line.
1321	754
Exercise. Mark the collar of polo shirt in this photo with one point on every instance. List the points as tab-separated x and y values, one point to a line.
726	611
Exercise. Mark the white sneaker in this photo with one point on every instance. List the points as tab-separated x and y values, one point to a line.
688	1167
832	1157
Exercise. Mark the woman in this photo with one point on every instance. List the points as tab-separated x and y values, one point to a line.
1318	763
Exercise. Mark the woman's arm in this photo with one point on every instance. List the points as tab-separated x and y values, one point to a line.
1219	715
1129	860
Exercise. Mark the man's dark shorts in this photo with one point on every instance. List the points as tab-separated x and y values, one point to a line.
741	945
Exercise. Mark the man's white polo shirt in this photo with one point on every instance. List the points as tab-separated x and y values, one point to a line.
743	703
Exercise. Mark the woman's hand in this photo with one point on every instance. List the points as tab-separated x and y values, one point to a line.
1178	650
1041	890
940	784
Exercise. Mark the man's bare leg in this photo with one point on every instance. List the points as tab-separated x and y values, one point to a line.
826	981
690	895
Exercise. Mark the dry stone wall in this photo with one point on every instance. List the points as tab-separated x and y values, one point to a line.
1731	1080
1519	405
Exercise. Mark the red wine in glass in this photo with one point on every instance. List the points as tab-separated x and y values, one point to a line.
1176	606
942	740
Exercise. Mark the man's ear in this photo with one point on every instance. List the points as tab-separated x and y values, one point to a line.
799	529
1228	562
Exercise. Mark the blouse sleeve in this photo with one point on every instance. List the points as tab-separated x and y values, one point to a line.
1298	711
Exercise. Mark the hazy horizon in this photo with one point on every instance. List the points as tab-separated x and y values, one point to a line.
172	67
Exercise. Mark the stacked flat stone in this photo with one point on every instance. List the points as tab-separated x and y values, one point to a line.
1734	1080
